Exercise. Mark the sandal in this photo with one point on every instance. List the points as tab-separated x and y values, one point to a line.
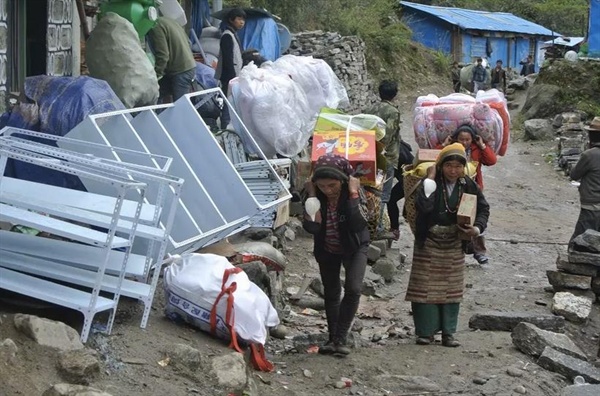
449	341
424	340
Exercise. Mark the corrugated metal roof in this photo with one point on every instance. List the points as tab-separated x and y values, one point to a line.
482	20
566	41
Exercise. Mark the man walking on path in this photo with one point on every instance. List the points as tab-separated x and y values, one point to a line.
499	77
479	76
175	66
587	171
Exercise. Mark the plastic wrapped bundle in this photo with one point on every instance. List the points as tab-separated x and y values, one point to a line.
274	109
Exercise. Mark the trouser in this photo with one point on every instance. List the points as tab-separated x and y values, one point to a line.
477	85
456	85
396	195
479	245
176	85
340	314
225	116
588	220
386	193
431	318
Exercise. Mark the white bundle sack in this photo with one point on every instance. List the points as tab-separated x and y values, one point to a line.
320	84
194	281
274	109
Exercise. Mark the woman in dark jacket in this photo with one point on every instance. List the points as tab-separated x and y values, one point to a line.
436	284
341	237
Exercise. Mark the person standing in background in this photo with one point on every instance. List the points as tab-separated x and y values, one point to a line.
230	56
174	65
455	74
479	75
499	77
528	66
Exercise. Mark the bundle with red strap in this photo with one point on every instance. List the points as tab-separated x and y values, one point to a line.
208	292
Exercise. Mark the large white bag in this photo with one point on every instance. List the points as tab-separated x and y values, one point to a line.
193	282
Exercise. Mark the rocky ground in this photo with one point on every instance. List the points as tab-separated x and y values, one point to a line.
533	212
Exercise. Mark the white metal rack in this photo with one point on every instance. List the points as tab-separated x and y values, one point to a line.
56	259
215	201
21	210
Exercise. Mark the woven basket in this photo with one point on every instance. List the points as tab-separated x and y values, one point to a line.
373	211
411	182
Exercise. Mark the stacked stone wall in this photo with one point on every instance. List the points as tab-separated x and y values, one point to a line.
346	56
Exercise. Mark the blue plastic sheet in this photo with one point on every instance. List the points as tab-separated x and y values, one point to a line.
205	75
261	34
594	33
57	105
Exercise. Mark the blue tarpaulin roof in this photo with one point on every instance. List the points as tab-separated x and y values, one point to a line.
482	20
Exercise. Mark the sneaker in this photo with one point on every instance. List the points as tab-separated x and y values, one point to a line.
327	349
481	258
342	348
396	233
424	340
449	341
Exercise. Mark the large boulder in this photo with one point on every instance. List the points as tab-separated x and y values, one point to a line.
114	54
543	100
538	129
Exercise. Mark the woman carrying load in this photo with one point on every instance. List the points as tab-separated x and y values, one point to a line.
436	286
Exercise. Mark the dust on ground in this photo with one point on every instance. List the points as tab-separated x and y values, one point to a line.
533	212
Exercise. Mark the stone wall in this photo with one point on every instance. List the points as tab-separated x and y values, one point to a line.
60	37
346	56
3	53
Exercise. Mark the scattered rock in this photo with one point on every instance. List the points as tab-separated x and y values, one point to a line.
542	101
257	273
184	355
316	285
507	321
562	280
372	276
538	129
289	234
230	371
563	263
340	385
515	372
581	390
480	381
279	331
48	333
573	308
307	373
596	285
312	302
382	245
8	351
519	83
258	233
406	383
568	366
589	240
73	390
532	341
577	257
373	253
358	325
79	366
385	268
520	389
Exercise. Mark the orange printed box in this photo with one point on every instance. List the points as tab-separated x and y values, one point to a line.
359	149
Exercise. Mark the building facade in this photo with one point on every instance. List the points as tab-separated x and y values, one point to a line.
468	34
36	37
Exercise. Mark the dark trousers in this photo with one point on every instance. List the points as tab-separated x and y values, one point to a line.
340	314
588	220
225	116
396	195
176	85
456	85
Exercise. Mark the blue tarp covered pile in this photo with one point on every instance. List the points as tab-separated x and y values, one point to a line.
55	105
594	33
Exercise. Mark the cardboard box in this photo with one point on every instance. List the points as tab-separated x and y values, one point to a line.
426	155
360	150
467	210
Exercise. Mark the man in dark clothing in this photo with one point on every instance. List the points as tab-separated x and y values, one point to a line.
175	66
499	77
587	171
479	76
455	74
230	56
528	66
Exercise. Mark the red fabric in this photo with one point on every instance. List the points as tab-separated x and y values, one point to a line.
483	157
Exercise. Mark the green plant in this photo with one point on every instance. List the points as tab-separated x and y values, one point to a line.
442	61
